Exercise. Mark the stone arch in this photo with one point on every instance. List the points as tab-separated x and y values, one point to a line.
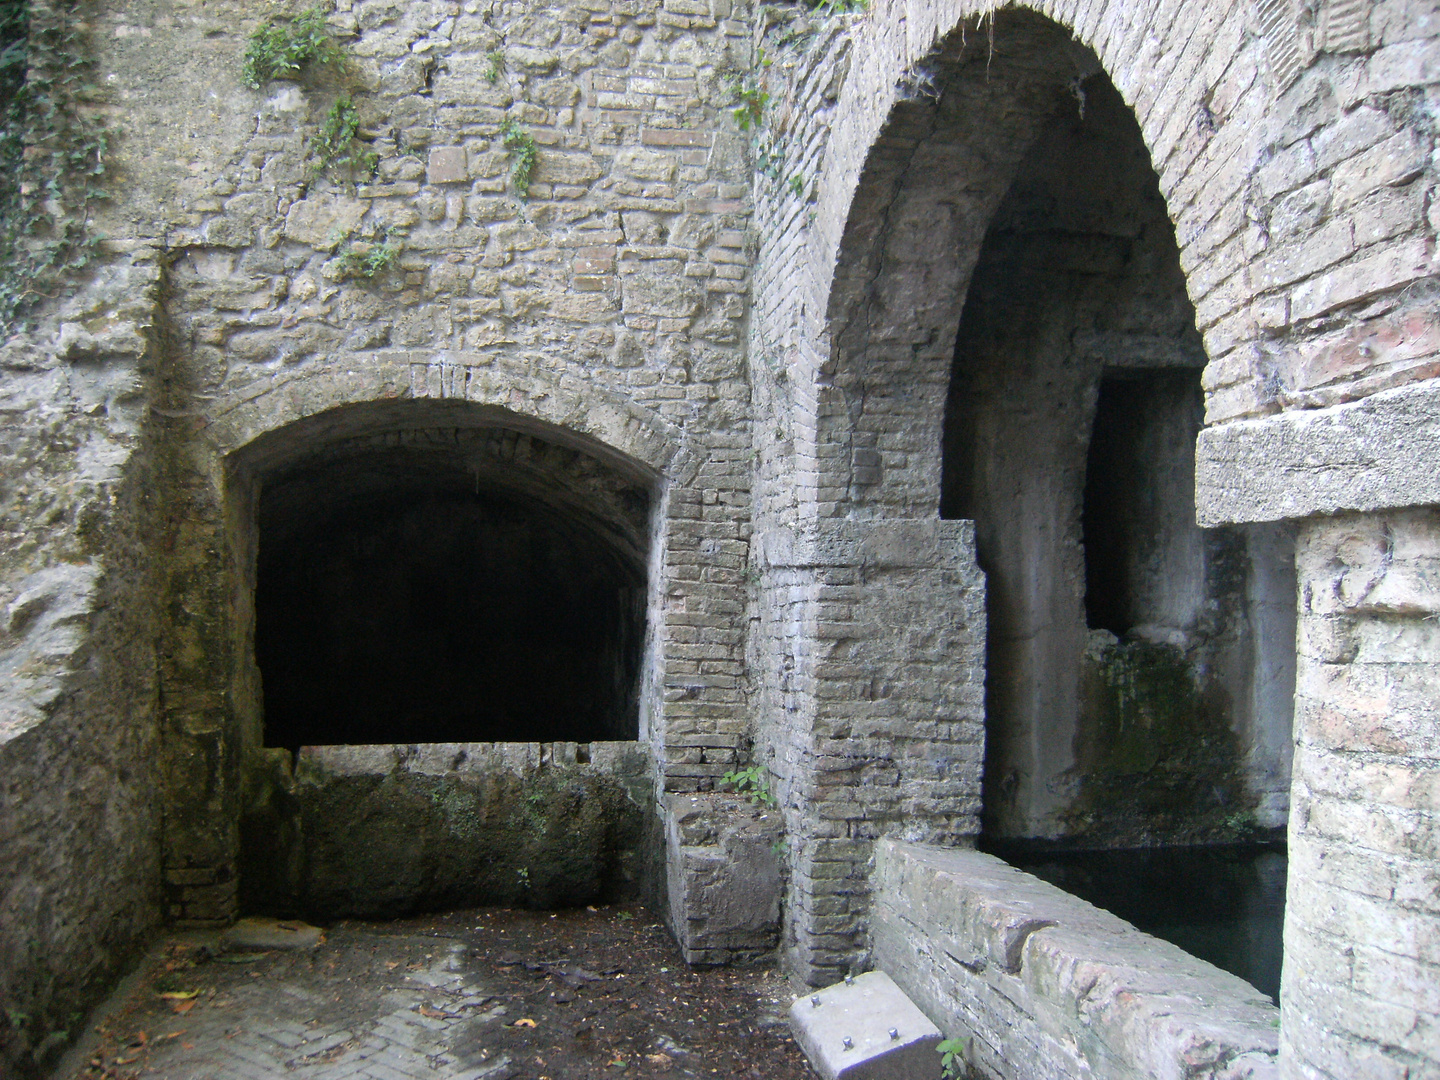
223	450
563	406
929	130
1180	77
370	396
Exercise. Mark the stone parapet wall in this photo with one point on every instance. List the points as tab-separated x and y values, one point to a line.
381	831
1046	987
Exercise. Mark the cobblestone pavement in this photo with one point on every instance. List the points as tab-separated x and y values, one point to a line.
494	994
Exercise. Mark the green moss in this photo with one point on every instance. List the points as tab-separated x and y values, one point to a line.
388	844
1157	759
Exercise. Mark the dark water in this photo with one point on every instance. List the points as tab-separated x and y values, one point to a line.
1224	904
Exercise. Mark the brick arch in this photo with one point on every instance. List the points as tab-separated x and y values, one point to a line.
370	392
910	185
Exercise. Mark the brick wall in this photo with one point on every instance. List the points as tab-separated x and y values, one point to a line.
1362	921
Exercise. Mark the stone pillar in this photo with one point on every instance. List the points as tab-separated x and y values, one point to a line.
1361	991
889	734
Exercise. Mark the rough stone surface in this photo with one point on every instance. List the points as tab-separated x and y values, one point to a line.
1046	986
724	876
387	830
846	1031
259	934
778	386
1362	907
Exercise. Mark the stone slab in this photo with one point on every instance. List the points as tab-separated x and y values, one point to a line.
889	1038
1369	455
257	934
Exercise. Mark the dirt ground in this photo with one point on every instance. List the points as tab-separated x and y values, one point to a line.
490	993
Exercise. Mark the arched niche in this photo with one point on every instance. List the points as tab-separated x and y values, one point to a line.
436	571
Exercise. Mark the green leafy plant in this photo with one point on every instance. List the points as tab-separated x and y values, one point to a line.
496	67
751	100
52	152
952	1057
839	7
284	48
338	145
368	261
751	782
797	185
522	146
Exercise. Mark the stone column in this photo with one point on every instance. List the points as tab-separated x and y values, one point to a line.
1361	992
889	731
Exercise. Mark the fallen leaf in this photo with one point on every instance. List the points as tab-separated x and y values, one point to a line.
524	1021
180	995
180	1008
435	1014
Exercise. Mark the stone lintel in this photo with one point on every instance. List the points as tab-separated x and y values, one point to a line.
1379	453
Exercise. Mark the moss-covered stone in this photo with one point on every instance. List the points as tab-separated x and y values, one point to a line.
390	841
1155	755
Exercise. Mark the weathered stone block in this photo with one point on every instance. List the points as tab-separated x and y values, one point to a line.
865	1028
724	876
323	221
447	165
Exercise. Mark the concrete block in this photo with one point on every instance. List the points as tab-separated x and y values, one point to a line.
866	1029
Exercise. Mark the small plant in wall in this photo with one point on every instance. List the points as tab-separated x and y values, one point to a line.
367	260
293	48
338	146
751	782
952	1058
520	144
286	48
495	65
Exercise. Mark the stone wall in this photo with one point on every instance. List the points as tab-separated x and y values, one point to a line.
1042	986
384	831
227	331
603	310
1295	155
79	815
1362	910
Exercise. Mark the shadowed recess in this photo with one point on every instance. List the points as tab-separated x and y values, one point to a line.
449	586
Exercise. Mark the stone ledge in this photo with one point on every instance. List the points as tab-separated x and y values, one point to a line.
1050	986
1367	455
892	544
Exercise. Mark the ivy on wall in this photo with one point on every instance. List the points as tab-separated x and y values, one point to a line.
52	153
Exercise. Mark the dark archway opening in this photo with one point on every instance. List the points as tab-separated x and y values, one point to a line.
1138	667
1132	678
489	590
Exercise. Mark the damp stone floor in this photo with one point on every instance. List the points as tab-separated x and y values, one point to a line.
489	994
